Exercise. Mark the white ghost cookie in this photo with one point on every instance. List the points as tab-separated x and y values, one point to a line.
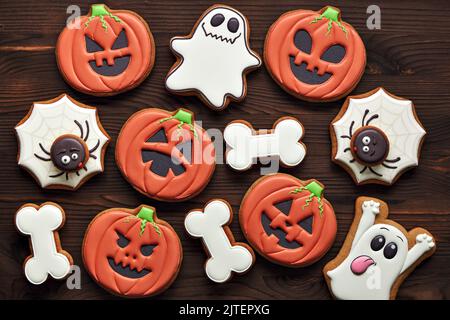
214	59
377	255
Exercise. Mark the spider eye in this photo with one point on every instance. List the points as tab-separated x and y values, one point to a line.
74	156
365	149
65	159
366	140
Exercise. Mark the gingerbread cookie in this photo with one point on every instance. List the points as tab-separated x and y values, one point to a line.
377	255
213	60
315	56
225	255
376	137
165	155
111	52
61	143
245	145
132	253
288	221
41	224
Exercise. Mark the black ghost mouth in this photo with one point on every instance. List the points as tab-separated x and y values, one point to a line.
219	37
127	272
306	76
119	66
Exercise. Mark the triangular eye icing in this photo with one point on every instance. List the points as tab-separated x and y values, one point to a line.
91	45
121	41
303	41
159	136
284	206
307	224
186	149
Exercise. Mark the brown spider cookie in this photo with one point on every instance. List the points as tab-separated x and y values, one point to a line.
61	143
376	137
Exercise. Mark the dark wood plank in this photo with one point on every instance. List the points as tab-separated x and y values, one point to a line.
409	56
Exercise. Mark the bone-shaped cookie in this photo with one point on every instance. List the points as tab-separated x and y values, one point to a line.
226	255
47	258
246	145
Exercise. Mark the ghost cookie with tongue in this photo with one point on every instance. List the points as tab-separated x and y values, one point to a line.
377	255
213	60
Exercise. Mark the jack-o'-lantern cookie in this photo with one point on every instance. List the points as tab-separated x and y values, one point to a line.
111	51
132	253
288	221
315	56
61	143
376	137
213	60
377	255
165	155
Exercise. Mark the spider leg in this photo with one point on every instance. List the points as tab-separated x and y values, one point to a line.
393	160
85	168
351	161
78	173
389	167
364	117
374	172
375	116
43	149
95	147
80	127
350	132
67	176
87	131
364	169
346	149
42	158
57	175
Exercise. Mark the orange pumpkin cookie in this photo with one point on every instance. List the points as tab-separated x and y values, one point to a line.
132	253
165	155
112	51
315	56
287	220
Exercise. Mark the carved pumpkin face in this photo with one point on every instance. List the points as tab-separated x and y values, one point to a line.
287	220
315	55
112	51
165	155
131	252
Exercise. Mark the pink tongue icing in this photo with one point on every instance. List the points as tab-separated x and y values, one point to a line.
361	264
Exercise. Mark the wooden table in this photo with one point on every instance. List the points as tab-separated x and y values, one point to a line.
409	56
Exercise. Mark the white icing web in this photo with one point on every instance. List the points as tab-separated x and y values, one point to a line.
46	123
396	119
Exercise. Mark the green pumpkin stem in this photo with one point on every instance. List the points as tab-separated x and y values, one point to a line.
316	191
184	117
99	10
332	15
146	216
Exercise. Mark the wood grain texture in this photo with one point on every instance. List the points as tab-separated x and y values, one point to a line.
409	56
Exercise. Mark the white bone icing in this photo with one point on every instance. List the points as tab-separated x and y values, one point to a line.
376	282
225	258
245	146
40	225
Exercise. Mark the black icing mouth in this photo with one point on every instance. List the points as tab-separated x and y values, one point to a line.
119	66
280	234
126	271
306	76
219	37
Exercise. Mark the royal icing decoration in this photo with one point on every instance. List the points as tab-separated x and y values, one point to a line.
377	255
214	59
376	137
132	253
315	56
110	52
226	255
288	221
246	145
165	155
47	257
61	143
